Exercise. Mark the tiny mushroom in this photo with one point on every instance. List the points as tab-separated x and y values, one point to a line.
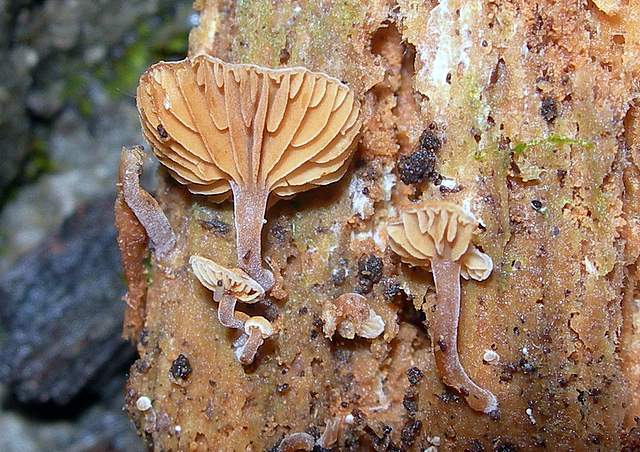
350	315
297	441
257	329
223	128
228	286
438	234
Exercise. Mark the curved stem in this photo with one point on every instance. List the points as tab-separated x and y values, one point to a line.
143	205
251	347
446	274
226	312
249	210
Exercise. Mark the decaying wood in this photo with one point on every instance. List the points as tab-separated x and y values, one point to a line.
519	112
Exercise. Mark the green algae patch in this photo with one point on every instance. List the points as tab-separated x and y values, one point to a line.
551	141
262	33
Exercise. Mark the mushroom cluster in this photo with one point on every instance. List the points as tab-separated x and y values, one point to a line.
249	131
437	235
229	286
350	315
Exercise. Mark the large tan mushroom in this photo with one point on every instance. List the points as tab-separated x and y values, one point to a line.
438	235
225	128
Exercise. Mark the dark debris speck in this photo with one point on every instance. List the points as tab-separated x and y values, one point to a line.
410	431
181	368
416	167
536	204
392	289
216	225
549	109
369	273
414	375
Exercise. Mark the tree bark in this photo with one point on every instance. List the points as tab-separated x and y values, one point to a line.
527	107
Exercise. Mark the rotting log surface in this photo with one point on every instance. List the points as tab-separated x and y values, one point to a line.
532	107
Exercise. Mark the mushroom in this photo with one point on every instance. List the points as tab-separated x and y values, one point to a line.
228	286
251	131
350	315
438	234
257	329
297	441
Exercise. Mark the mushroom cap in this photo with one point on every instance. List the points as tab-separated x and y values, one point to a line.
426	231
234	281
213	123
350	314
265	327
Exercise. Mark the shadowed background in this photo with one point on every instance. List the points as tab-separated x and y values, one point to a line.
67	81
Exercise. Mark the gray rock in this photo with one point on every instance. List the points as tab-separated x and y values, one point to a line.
62	311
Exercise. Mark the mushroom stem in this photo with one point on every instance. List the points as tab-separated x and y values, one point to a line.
143	205
249	210
446	274
226	312
251	347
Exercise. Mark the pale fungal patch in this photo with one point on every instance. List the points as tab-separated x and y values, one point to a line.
448	183
590	267
389	180
448	48
437	235
434	440
250	131
532	419
361	204
351	316
143	403
491	357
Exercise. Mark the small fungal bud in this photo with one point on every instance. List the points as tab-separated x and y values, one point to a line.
143	403
257	329
297	441
350	315
491	357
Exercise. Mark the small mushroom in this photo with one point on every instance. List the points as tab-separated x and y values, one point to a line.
228	286
297	441
350	315
438	235
251	131
257	329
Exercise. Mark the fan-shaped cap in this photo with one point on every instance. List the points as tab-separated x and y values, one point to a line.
213	123
424	232
234	281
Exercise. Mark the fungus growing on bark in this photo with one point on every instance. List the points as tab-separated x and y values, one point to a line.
297	441
438	235
257	329
350	315
228	286
225	128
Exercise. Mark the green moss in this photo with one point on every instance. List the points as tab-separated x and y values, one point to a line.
148	269
549	142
